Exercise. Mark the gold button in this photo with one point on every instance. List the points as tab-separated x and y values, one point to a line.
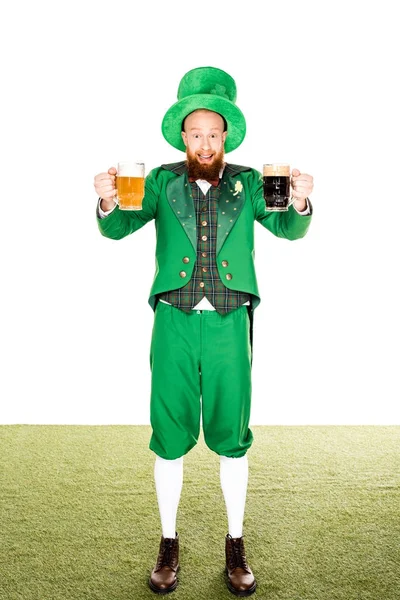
204	254
186	259
204	223
182	274
204	269
225	263
201	283
228	276
204	238
204	209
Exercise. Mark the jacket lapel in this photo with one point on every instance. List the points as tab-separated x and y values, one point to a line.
180	199
230	204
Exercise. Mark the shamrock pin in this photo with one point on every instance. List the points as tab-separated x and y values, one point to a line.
238	187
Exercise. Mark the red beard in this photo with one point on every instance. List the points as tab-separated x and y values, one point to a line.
198	170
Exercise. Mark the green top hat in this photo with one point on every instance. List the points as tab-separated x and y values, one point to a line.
210	88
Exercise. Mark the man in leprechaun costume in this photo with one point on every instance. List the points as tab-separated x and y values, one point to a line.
204	293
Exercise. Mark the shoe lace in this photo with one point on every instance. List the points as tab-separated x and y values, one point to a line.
237	558
166	556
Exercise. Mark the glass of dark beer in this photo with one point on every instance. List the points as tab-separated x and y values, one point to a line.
276	183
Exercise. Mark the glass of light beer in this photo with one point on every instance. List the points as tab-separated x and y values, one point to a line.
130	185
276	184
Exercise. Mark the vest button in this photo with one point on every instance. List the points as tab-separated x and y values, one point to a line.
228	276
201	283
224	263
204	254
186	259
182	274
204	223
204	238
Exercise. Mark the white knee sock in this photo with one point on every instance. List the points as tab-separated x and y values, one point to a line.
234	473
168	476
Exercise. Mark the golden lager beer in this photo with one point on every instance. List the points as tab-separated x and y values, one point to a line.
130	185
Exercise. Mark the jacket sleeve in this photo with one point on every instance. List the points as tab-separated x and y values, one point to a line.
288	224
120	223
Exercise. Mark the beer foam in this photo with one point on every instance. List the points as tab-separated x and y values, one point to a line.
276	170
130	169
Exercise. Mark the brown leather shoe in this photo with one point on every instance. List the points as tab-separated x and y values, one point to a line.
163	577
240	579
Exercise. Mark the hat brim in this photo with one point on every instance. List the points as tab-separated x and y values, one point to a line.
172	122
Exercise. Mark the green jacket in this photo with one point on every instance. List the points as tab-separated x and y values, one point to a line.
168	200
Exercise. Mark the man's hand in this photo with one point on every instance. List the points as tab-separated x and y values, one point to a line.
302	186
104	184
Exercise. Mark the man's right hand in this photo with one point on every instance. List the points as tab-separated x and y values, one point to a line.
104	184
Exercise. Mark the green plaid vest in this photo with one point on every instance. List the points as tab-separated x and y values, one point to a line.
205	280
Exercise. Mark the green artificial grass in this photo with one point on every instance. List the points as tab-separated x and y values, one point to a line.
79	518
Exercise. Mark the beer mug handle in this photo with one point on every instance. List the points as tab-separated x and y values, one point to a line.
116	200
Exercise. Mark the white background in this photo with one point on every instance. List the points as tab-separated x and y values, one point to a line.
86	84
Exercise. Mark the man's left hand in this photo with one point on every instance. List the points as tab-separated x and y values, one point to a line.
302	186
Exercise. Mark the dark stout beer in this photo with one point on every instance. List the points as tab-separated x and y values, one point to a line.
276	180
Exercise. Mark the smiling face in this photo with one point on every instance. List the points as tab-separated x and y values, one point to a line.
204	138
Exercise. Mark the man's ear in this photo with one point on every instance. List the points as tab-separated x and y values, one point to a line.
224	134
184	137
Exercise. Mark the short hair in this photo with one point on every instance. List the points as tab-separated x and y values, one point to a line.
225	123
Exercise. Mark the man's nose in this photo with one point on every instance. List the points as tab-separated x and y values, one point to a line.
205	144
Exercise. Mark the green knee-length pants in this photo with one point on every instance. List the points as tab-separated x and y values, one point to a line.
201	369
